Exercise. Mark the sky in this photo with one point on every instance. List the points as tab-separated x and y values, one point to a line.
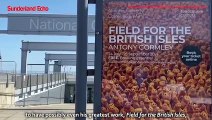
10	44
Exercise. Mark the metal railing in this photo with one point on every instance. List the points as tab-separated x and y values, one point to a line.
34	84
38	81
7	78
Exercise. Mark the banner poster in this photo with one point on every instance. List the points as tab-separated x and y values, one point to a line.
156	60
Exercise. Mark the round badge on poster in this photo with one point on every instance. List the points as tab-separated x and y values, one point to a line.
191	55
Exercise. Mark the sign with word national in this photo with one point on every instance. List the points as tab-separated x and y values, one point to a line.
45	24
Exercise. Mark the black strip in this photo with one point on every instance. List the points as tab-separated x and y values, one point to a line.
91	1
90	72
98	58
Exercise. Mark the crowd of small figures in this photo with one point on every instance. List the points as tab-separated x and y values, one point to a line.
155	88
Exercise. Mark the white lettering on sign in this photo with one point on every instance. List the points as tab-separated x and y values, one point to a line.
52	25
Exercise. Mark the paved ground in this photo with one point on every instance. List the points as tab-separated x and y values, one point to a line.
42	112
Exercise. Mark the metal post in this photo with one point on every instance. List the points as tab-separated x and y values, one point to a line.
98	57
36	83
23	61
47	82
58	78
65	78
81	66
42	82
15	81
55	66
26	79
48	97
23	93
24	104
61	93
7	81
67	97
55	77
30	81
51	80
46	66
27	82
22	85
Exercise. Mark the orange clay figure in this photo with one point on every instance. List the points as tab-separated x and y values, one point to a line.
138	110
201	92
170	74
204	115
187	77
166	96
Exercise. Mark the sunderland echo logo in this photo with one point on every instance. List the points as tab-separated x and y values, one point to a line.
27	8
